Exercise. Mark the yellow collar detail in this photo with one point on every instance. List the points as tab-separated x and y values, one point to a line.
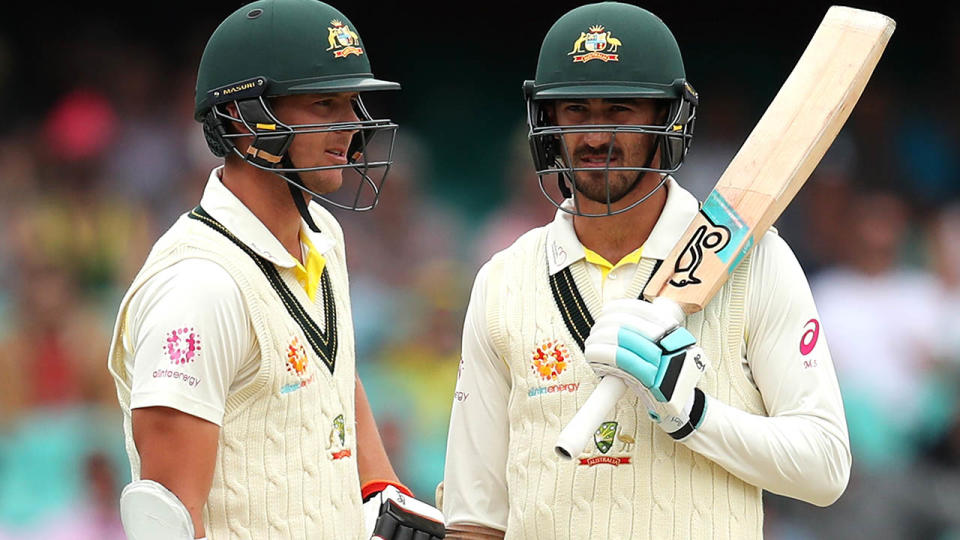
605	266
309	277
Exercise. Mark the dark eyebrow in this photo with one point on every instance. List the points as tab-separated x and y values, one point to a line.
611	101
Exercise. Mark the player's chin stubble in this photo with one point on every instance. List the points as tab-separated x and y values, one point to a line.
592	185
323	182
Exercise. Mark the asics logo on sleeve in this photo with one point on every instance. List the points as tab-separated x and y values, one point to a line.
809	338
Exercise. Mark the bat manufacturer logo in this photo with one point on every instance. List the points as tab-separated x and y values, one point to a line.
593	44
699	363
704	239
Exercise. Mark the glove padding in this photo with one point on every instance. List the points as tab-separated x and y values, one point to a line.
390	514
644	345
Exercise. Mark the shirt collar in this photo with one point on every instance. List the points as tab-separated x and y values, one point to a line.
564	248
226	208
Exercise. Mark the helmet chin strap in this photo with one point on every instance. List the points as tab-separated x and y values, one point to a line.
292	180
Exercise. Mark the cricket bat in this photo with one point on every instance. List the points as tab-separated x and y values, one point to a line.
771	166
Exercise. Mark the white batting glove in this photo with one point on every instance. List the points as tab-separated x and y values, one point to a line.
390	514
643	344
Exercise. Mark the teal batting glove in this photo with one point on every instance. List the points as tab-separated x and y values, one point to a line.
642	345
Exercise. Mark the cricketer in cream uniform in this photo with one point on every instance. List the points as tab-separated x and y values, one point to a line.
740	397
286	459
774	417
233	353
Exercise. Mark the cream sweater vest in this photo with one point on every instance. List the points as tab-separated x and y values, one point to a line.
634	482
286	461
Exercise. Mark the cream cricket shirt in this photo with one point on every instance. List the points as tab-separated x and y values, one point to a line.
164	312
800	449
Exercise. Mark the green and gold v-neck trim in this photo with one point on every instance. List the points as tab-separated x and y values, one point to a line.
577	308
322	341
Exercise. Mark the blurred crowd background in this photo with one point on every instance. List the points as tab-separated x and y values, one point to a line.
99	154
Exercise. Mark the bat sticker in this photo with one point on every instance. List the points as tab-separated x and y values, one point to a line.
726	236
692	257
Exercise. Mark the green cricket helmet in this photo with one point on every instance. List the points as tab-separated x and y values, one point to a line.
615	51
272	48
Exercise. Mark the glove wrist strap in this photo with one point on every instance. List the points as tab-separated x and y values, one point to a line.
373	487
696	415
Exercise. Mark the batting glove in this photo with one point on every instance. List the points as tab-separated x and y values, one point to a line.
644	345
393	513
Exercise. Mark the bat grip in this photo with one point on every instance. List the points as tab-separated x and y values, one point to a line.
594	411
576	435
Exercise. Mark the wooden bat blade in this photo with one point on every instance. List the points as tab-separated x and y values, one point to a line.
777	158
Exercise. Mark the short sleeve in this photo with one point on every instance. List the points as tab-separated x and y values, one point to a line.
189	339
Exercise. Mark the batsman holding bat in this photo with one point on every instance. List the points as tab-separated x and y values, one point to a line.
233	353
722	403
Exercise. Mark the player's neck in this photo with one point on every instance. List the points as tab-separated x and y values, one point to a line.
268	197
613	237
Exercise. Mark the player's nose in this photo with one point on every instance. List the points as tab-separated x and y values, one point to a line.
597	139
348	115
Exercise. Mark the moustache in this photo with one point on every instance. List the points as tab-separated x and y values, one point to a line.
584	150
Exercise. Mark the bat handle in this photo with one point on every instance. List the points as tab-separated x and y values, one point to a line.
576	435
594	411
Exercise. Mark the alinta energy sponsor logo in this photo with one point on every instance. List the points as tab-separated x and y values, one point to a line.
548	361
604	439
297	359
189	380
182	345
297	364
552	389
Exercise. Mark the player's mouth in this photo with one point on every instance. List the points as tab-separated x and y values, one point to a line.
598	161
337	155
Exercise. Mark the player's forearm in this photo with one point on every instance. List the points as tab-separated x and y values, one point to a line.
801	456
372	461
